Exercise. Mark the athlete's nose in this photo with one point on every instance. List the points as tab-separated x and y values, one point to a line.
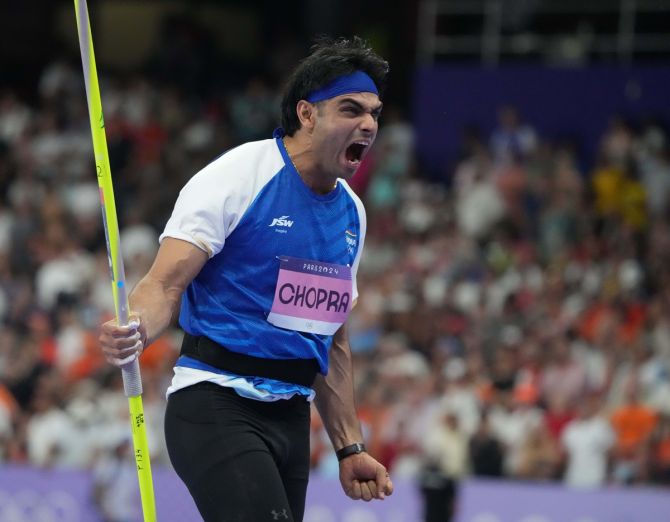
369	123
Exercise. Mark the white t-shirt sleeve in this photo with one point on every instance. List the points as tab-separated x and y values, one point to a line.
202	214
212	203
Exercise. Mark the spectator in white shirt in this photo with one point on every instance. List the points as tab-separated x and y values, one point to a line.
587	441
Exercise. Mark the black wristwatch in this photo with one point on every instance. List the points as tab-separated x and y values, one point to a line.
351	449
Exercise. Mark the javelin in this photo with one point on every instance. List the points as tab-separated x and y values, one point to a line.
132	381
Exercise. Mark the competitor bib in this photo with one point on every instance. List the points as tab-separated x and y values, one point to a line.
311	296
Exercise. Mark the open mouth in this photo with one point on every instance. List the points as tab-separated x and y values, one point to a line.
355	152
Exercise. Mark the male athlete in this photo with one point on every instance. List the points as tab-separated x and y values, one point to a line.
262	248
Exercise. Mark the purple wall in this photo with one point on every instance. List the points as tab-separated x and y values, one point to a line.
29	495
482	501
326	502
558	102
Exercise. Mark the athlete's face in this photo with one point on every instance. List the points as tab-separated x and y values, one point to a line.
344	129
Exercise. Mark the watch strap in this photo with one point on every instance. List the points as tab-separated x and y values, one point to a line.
351	449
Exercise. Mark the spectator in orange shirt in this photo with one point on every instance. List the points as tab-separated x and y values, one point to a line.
633	423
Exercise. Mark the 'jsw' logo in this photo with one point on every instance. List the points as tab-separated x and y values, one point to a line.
281	222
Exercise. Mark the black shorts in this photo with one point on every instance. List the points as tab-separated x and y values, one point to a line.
241	459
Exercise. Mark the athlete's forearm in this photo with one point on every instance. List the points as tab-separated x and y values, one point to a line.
156	297
335	395
155	304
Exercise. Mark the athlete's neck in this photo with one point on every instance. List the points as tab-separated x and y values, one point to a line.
304	161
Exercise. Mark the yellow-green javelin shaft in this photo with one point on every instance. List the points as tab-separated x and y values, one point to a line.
132	381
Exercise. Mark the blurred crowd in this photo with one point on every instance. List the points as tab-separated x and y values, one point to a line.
514	317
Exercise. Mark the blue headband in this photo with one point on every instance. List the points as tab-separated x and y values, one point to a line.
355	82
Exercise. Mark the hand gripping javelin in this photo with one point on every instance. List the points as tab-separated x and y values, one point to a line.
132	381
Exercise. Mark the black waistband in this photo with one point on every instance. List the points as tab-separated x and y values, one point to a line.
296	371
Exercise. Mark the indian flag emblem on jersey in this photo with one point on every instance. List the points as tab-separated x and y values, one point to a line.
351	240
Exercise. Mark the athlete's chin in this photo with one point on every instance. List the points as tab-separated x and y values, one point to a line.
349	168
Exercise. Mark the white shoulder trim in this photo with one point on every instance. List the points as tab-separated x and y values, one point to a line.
361	240
212	203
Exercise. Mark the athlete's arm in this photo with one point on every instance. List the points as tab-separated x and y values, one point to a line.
360	474
153	301
335	394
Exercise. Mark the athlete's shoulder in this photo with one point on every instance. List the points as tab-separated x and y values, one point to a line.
212	203
250	165
250	156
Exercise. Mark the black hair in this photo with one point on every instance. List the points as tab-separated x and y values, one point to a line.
329	59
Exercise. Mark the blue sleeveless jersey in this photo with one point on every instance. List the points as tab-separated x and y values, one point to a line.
247	209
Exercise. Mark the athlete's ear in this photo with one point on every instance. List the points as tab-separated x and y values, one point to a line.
306	114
